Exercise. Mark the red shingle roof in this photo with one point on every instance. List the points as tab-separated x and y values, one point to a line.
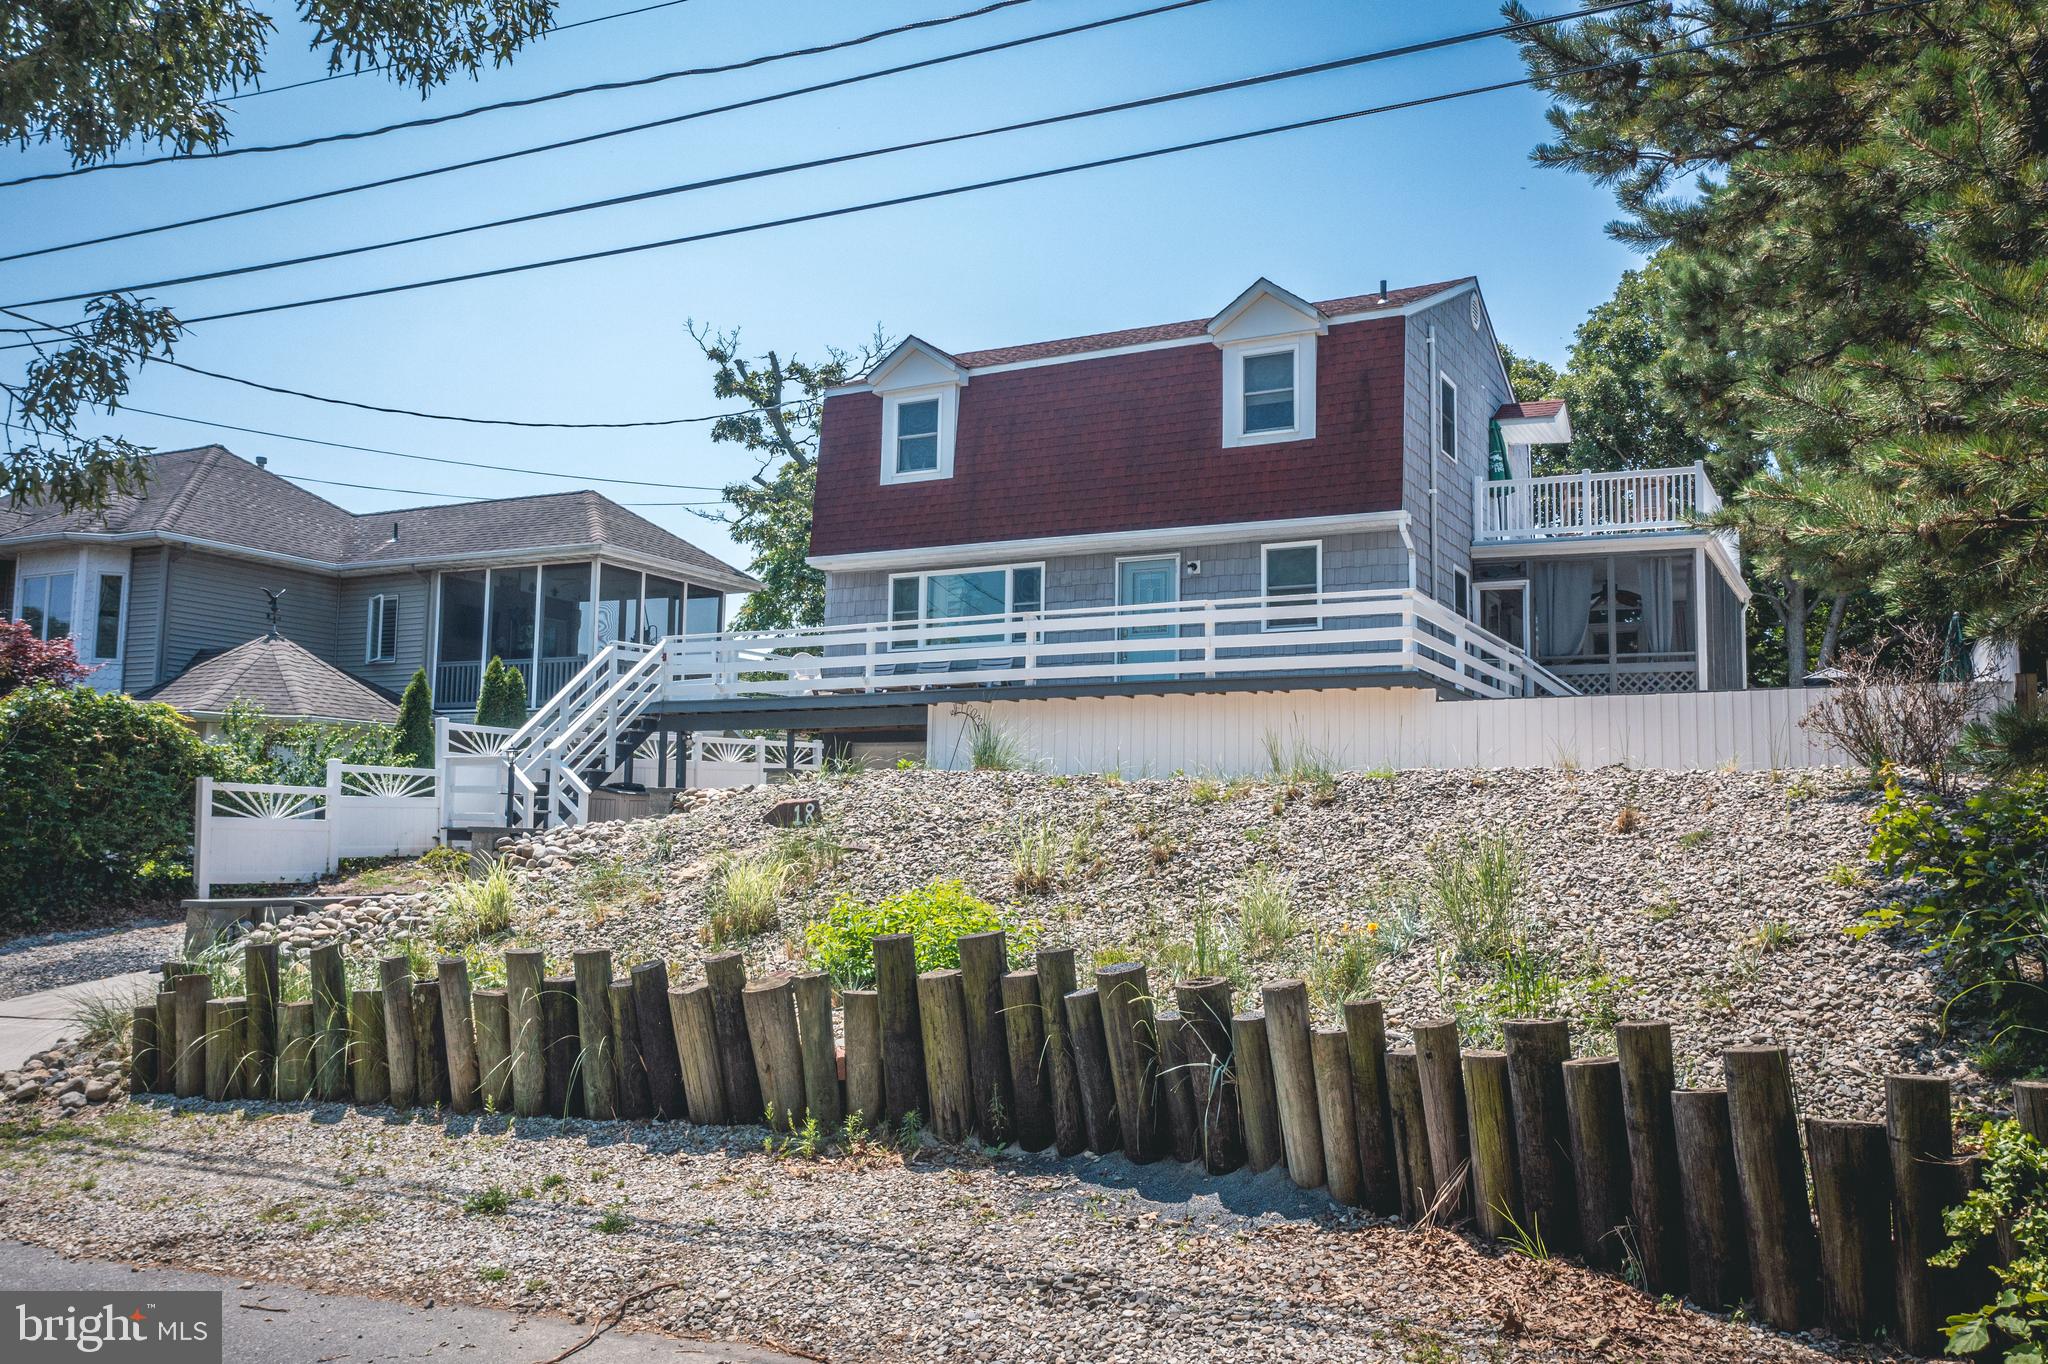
1179	331
1548	407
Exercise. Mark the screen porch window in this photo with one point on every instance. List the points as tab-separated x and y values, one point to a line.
1269	392
1294	571
382	629
46	604
917	437
918	597
106	635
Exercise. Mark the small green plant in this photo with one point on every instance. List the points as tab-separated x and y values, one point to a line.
1473	888
1659	911
1525	1241
604	888
1300	763
1844	876
472	911
491	1202
805	853
1774	935
2011	742
613	1222
1034	857
1085	859
494	1274
103	1018
1695	839
1340	968
445	861
840	942
2010	1199
1204	791
1266	919
740	897
910	1131
991	748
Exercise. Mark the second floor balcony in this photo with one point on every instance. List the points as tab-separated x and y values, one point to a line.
1573	506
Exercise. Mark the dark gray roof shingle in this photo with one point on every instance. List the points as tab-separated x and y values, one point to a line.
280	676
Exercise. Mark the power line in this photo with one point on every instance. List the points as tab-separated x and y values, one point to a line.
515	153
493	466
843	158
435	120
453	497
384	66
1025	177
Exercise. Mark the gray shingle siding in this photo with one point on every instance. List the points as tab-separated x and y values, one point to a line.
1470	358
414	593
217	603
145	615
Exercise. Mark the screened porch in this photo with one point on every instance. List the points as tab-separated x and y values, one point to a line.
1611	625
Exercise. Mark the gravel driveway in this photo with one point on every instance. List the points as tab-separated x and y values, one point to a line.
49	960
955	1258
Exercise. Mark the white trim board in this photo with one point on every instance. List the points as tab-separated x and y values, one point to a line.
1127	542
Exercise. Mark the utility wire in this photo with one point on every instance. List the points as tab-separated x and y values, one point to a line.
494	466
843	158
603	134
381	66
454	497
526	102
1026	177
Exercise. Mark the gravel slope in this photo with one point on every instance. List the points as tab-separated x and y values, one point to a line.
49	960
945	1258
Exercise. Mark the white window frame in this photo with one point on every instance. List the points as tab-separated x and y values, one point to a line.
948	397
48	579
1462	577
1444	381
374	614
1314	622
120	616
1303	349
1009	572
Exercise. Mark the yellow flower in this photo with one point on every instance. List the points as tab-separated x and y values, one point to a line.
1372	928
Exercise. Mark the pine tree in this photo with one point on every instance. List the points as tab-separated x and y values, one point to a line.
415	743
501	700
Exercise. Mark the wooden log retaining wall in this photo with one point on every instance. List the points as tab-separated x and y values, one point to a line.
1699	1192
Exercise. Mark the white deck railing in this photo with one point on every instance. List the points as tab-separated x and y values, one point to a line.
1585	504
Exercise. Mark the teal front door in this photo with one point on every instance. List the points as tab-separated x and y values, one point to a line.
1148	582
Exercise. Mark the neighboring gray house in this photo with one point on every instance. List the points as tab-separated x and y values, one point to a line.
181	573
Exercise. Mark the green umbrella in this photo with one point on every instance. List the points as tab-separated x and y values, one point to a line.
1955	651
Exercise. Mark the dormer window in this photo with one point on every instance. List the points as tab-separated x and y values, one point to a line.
1269	392
917	437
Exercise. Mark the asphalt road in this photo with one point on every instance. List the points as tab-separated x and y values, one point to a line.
275	1324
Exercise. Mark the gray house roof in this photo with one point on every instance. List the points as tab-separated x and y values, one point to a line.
287	681
212	497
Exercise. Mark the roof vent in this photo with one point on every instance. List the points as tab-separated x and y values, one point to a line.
394	532
263	461
1383	292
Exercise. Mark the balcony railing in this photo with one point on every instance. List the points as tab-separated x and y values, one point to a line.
1629	502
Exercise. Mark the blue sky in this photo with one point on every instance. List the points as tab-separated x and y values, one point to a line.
1410	197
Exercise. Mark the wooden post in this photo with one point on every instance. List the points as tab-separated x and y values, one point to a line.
598	1066
2030	1107
220	1047
167	1037
1852	1203
193	990
1599	1135
1644	1050
770	1005
657	1040
295	1051
1490	1118
1294	1081
1056	980
942	1014
369	1076
862	1012
1024	1042
1336	1112
1411	1133
1537	1050
260	987
400	1059
1127	1030
1365	1027
896	989
1443	1108
1182	1126
458	1028
984	958
1716	1242
142	1048
1207	1005
1925	1180
1091	1071
527	1032
328	977
430	1068
726	974
820	1049
563	1046
635	1100
1252	1059
692	1016
1772	1177
491	1012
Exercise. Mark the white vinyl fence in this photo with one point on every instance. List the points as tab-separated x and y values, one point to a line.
1360	729
250	833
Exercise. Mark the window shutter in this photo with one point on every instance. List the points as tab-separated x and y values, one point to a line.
387	638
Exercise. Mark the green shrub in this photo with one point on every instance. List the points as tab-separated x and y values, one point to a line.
253	747
741	897
501	698
414	743
1473	889
2011	742
1266	920
2011	1194
1982	871
472	911
841	943
95	800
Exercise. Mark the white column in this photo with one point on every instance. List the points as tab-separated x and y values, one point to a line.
332	812
202	812
1699	600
